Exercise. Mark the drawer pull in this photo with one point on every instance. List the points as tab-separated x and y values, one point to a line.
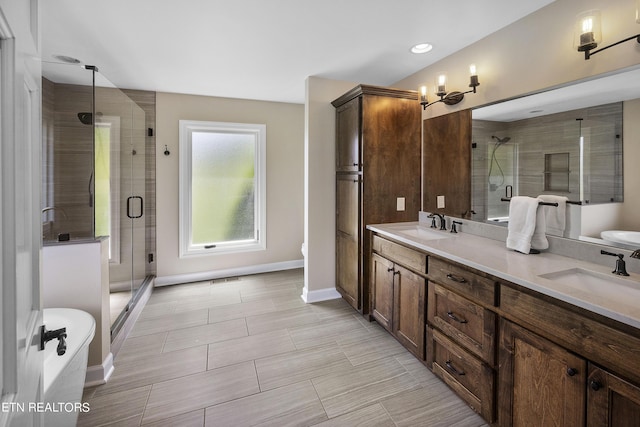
456	318
389	270
452	369
456	278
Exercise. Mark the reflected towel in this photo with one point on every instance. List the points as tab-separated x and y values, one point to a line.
555	217
526	227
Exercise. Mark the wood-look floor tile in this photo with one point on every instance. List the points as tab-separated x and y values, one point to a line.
290	291
280	320
362	386
155	368
293	405
437	406
138	347
332	308
371	416
170	322
325	332
288	368
114	407
372	344
193	392
205	334
417	369
190	419
241	310
249	348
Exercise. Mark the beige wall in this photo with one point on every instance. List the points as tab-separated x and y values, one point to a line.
534	53
320	176
285	142
537	52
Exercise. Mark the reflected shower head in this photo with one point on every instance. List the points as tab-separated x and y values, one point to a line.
501	140
86	118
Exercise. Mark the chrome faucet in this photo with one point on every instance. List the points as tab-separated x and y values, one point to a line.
621	269
443	223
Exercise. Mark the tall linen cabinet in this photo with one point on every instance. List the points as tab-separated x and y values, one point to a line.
378	160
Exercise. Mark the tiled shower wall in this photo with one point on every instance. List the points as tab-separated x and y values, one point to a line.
67	165
554	133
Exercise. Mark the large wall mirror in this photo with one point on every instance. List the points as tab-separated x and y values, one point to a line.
567	142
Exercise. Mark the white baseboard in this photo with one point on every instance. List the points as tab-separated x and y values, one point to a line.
99	374
320	295
230	272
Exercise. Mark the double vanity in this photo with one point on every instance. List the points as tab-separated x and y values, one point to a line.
544	339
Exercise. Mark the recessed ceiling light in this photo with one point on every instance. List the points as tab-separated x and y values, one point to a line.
421	48
67	59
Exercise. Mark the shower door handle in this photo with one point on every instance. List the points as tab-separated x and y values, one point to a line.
129	214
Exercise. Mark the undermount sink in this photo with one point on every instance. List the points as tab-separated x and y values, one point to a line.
421	232
587	280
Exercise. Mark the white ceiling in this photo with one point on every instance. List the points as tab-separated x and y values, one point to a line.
265	49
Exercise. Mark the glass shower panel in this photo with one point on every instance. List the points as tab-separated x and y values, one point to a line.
67	138
120	186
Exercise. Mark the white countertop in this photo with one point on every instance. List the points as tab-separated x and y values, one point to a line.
618	300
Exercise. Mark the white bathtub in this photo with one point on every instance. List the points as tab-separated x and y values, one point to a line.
64	375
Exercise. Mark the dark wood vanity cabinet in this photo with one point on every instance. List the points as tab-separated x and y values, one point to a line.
517	357
377	161
461	333
541	383
611	401
398	292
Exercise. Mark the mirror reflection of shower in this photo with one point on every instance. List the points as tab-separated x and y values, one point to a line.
501	176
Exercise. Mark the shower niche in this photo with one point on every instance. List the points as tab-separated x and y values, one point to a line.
97	174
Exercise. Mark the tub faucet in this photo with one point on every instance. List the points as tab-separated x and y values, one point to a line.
53	208
621	269
443	223
60	334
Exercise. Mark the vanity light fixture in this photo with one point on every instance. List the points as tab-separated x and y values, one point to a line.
588	34
449	98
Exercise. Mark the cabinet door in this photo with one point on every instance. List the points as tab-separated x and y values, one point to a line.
409	307
382	273
611	400
540	383
348	127
348	238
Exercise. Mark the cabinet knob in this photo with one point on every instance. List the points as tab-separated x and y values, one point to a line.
389	269
595	385
571	371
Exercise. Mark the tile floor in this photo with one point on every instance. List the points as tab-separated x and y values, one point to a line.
248	352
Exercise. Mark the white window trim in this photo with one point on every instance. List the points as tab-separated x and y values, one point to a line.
187	248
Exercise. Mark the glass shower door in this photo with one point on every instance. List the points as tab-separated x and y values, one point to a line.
120	126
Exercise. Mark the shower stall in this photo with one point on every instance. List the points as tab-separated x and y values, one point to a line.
96	154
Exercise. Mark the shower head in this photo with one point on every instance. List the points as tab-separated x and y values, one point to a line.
501	140
86	118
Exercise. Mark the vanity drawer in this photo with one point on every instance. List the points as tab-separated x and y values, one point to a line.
465	322
471	379
410	258
465	282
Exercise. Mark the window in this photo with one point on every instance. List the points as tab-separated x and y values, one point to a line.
222	187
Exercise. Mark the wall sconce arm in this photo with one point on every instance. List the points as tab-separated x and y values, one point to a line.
588	53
